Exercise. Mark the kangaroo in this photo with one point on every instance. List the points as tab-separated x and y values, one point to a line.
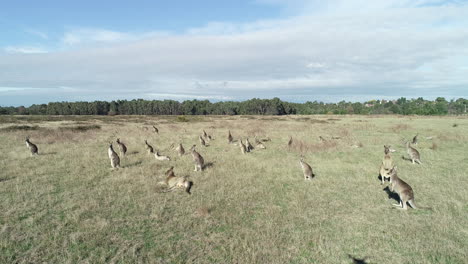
404	191
149	147
202	141
122	147
259	144
242	147
322	139
290	142
306	169
387	164
160	157
248	146
198	159
413	153
156	130
32	147
415	140
114	158
230	139
173	182
180	150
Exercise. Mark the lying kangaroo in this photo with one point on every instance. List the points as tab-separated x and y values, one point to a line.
174	182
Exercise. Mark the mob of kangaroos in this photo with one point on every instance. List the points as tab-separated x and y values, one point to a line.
388	169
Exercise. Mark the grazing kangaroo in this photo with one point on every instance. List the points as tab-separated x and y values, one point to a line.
387	164
173	182
122	147
202	141
322	139
248	146
198	159
404	191
148	147
160	157
32	147
306	169
413	153
259	144
230	139
180	150
114	158
415	140
156	130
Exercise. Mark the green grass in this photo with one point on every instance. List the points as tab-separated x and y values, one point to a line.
67	206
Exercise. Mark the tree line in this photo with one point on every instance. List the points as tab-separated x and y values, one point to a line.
275	106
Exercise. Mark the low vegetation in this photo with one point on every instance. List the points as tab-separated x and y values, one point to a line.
255	106
66	205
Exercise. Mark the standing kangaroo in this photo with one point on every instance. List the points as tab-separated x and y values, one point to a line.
114	158
122	147
306	169
404	191
230	139
180	150
32	147
387	164
413	153
197	159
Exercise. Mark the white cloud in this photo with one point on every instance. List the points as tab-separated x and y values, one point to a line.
24	49
37	33
345	50
95	36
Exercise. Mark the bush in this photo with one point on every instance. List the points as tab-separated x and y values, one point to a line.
182	119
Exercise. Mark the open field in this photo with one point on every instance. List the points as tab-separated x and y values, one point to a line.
67	206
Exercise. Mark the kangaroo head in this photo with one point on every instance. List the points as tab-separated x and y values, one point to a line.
386	149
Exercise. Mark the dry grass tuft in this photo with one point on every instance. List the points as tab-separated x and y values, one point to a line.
80	128
14	128
202	212
303	147
399	127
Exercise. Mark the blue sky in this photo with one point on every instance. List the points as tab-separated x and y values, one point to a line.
297	50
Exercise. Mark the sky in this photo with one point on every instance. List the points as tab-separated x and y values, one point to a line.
297	50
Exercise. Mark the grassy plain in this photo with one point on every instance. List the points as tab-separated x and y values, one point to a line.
67	206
